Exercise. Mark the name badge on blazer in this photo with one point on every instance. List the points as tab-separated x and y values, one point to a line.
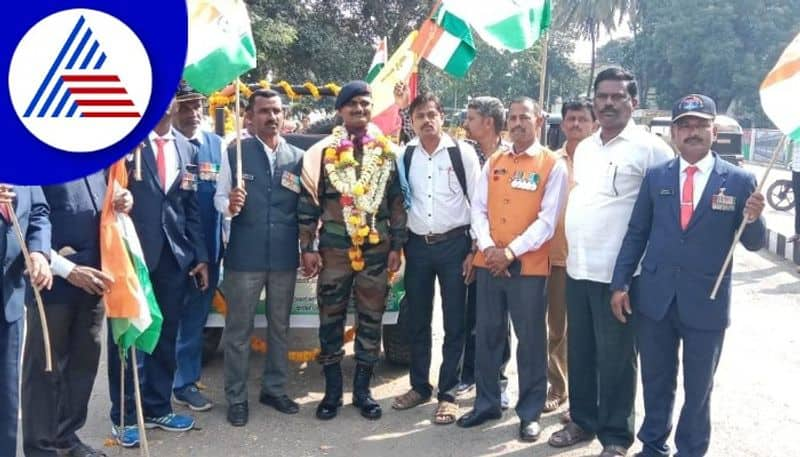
666	191
722	202
291	181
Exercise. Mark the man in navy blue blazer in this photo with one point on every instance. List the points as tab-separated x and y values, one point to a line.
686	215
32	213
167	220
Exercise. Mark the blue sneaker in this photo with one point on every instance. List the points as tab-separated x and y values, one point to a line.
171	422
190	396
127	436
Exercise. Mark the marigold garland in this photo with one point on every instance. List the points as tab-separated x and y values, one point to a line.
288	89
312	89
361	195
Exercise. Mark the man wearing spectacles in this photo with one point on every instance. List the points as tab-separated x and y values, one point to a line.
609	167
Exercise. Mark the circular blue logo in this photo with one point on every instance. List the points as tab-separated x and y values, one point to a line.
86	82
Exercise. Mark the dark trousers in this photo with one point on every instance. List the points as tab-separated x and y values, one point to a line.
468	367
424	264
601	363
157	370
55	404
523	299
658	343
796	190
189	346
10	342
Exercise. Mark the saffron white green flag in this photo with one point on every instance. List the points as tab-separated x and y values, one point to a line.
221	44
512	25
378	61
782	85
446	42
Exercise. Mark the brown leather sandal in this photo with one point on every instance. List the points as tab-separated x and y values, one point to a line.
408	400
445	413
570	435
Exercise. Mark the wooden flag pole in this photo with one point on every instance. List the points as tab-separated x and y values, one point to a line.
144	448
543	74
237	110
744	223
48	358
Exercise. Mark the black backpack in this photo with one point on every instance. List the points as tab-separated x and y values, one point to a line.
455	159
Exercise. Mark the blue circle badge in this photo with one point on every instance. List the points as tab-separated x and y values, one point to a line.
82	85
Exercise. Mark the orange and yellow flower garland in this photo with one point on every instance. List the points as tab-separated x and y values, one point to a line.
361	194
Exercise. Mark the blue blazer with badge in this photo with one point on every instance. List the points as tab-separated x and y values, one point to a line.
32	212
683	265
167	219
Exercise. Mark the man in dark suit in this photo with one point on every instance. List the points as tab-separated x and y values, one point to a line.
167	222
686	215
189	113
32	211
55	405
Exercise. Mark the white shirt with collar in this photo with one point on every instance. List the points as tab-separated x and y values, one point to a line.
607	180
543	228
700	179
438	203
172	164
225	177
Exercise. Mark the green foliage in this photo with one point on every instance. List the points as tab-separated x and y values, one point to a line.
722	48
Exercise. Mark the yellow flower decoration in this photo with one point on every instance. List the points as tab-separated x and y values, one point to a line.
357	265
333	88
312	89
288	89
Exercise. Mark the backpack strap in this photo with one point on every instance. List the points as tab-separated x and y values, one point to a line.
458	168
407	159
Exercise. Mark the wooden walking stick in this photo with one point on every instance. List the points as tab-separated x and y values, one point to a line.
744	223
48	358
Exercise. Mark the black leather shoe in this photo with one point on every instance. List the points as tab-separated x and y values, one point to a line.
328	408
283	403
84	450
362	397
237	414
370	409
529	431
473	418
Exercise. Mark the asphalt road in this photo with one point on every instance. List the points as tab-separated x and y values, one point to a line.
755	409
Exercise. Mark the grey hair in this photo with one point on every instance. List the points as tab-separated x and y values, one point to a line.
490	107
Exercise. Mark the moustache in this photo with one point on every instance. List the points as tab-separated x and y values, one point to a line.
517	129
693	139
608	110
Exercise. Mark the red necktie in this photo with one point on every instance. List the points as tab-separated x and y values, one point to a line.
5	213
687	201
161	162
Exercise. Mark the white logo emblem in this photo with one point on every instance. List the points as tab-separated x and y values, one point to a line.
80	80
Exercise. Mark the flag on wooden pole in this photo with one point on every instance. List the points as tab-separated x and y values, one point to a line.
782	85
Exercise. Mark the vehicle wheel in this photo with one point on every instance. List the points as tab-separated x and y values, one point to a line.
780	195
211	339
395	339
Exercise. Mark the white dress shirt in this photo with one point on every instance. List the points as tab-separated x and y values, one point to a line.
700	179
542	229
172	164
438	204
225	177
607	180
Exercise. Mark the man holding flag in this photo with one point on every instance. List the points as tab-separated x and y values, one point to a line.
167	221
77	312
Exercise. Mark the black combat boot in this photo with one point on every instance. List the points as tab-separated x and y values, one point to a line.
362	397
329	406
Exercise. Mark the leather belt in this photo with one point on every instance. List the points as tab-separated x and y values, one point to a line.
433	238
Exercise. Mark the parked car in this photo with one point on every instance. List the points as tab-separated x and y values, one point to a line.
729	136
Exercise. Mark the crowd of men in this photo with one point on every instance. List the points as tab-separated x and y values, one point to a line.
612	237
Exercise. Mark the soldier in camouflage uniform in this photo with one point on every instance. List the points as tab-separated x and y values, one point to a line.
327	255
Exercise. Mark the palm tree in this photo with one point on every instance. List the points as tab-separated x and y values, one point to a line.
588	16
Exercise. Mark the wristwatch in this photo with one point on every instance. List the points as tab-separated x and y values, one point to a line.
509	254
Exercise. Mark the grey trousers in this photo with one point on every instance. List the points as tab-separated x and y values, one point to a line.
522	298
242	291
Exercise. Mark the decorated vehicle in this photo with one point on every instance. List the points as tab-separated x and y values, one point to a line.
304	312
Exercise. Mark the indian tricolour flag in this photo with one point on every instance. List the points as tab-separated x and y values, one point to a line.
131	305
221	44
512	25
378	61
445	41
782	85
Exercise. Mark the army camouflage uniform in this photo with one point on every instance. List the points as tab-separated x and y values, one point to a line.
370	286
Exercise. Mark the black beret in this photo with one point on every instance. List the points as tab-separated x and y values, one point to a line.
351	90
